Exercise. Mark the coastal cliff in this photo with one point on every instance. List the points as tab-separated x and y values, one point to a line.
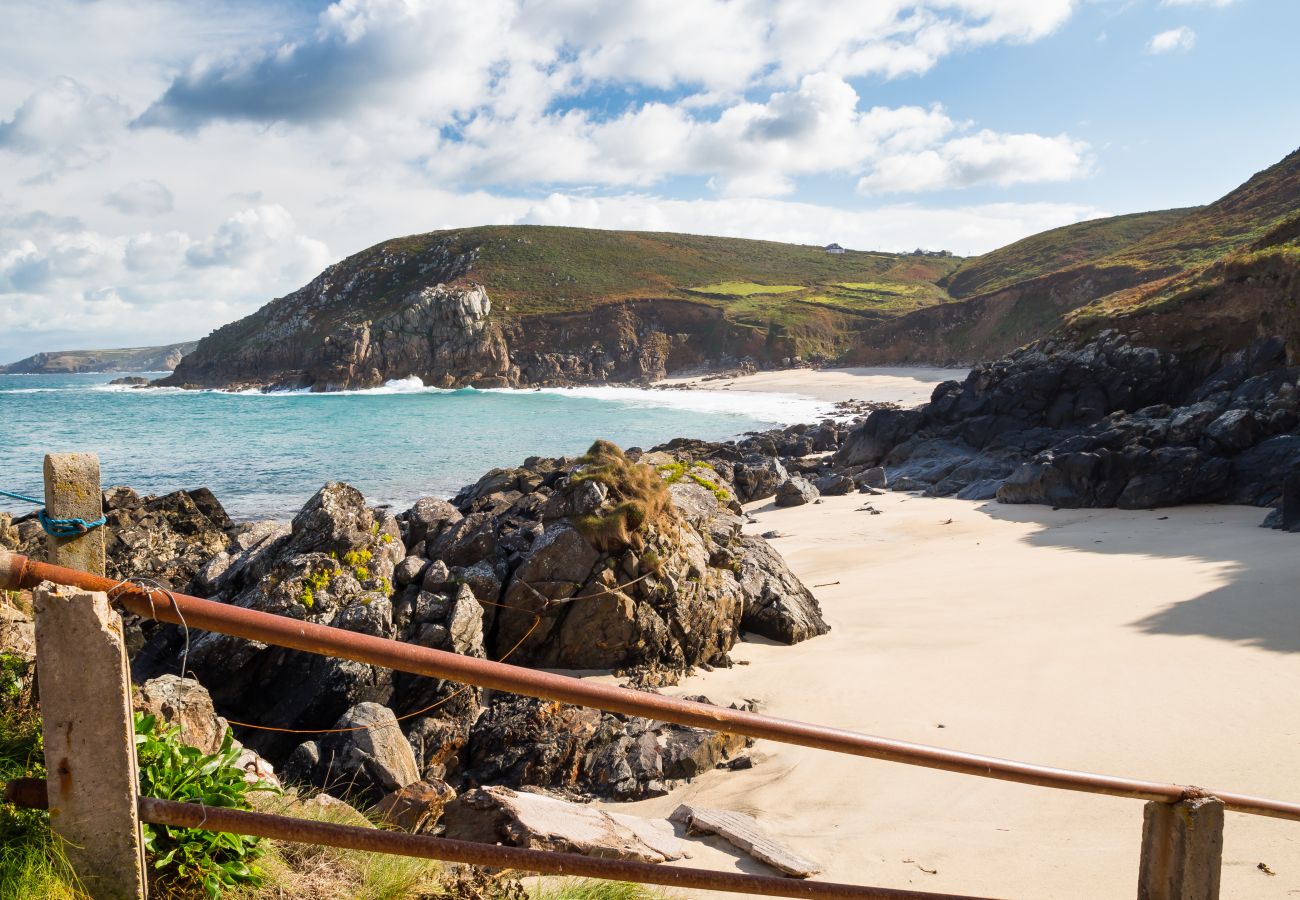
527	305
127	359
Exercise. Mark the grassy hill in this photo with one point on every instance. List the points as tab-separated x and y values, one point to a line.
1108	270
1048	251
538	270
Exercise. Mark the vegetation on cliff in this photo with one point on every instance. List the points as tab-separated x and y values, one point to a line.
1110	268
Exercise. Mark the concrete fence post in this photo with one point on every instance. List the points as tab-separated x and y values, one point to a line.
1182	850
72	491
85	691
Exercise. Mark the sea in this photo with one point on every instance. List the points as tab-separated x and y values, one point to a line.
264	455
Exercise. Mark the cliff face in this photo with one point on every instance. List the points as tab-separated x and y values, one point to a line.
448	336
395	312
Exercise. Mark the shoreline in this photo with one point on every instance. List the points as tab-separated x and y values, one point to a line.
1152	644
904	385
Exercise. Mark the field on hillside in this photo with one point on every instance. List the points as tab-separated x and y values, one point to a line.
534	270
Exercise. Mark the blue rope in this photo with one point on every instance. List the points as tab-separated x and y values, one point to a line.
62	528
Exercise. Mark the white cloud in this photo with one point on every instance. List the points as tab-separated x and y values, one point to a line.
983	158
755	149
275	131
446	58
146	286
142	198
1181	38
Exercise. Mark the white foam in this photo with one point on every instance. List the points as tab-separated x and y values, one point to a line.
785	409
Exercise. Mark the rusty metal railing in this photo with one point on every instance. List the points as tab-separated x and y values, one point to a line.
20	572
30	792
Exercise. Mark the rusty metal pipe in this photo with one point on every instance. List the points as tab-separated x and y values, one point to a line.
20	572
30	792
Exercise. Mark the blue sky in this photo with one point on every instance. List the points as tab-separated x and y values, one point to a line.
170	167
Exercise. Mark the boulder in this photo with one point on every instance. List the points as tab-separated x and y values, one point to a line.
835	485
796	491
185	703
777	605
417	807
580	752
499	815
873	477
757	477
1234	431
374	759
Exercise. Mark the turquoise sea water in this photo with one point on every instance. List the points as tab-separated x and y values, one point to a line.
264	455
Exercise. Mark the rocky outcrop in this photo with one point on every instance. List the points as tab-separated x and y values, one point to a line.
166	539
521	742
605	561
597	563
403	310
333	567
1111	423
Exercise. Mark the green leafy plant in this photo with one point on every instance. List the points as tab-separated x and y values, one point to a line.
190	859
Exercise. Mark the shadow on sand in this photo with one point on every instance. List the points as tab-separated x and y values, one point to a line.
1260	603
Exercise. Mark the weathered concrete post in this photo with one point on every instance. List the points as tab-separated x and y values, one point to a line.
85	701
1182	850
72	491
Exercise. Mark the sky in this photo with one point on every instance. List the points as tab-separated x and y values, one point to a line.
167	167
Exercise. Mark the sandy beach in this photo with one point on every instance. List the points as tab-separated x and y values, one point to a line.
1161	645
905	385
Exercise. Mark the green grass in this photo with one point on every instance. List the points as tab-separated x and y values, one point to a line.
1056	249
580	889
743	289
31	865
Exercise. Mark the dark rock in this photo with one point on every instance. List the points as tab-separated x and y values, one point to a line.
874	477
796	492
334	568
777	605
758	477
373	760
1290	517
1234	431
835	485
521	742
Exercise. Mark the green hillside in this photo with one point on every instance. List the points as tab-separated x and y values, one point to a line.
530	270
1056	249
1230	261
